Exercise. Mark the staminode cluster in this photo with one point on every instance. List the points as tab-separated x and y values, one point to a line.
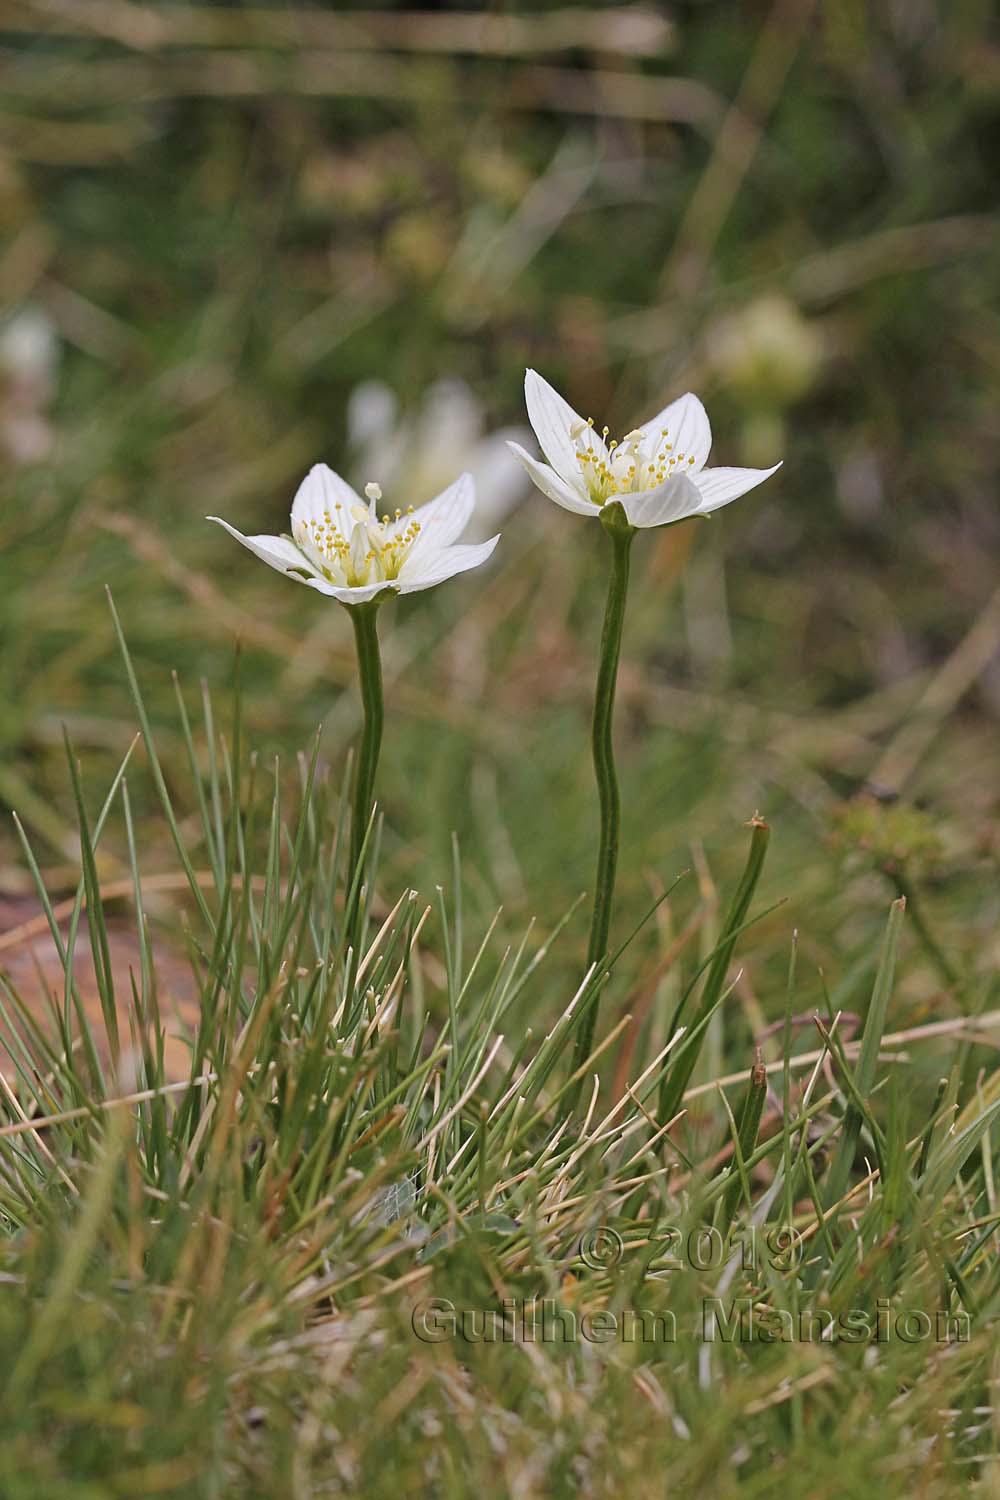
365	549
639	462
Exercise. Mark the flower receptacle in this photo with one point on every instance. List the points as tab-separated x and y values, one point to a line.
615	521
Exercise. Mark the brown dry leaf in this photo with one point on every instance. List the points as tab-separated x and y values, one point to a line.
35	971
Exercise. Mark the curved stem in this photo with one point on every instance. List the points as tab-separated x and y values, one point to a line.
363	618
602	740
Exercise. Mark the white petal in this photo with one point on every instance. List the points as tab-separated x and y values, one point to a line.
550	484
554	421
320	493
359	547
444	565
277	551
443	520
718	486
672	500
688	432
359	594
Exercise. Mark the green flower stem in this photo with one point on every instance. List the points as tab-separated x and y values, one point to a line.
363	618
602	741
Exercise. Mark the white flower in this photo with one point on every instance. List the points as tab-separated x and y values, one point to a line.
343	547
656	473
416	454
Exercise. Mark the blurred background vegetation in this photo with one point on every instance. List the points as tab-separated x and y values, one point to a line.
240	239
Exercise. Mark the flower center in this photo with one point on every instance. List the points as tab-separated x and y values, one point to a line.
639	462
351	546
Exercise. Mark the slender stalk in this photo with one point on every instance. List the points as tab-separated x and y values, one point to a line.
363	618
602	741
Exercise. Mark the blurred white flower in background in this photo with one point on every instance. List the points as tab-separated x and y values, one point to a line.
29	362
416	456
